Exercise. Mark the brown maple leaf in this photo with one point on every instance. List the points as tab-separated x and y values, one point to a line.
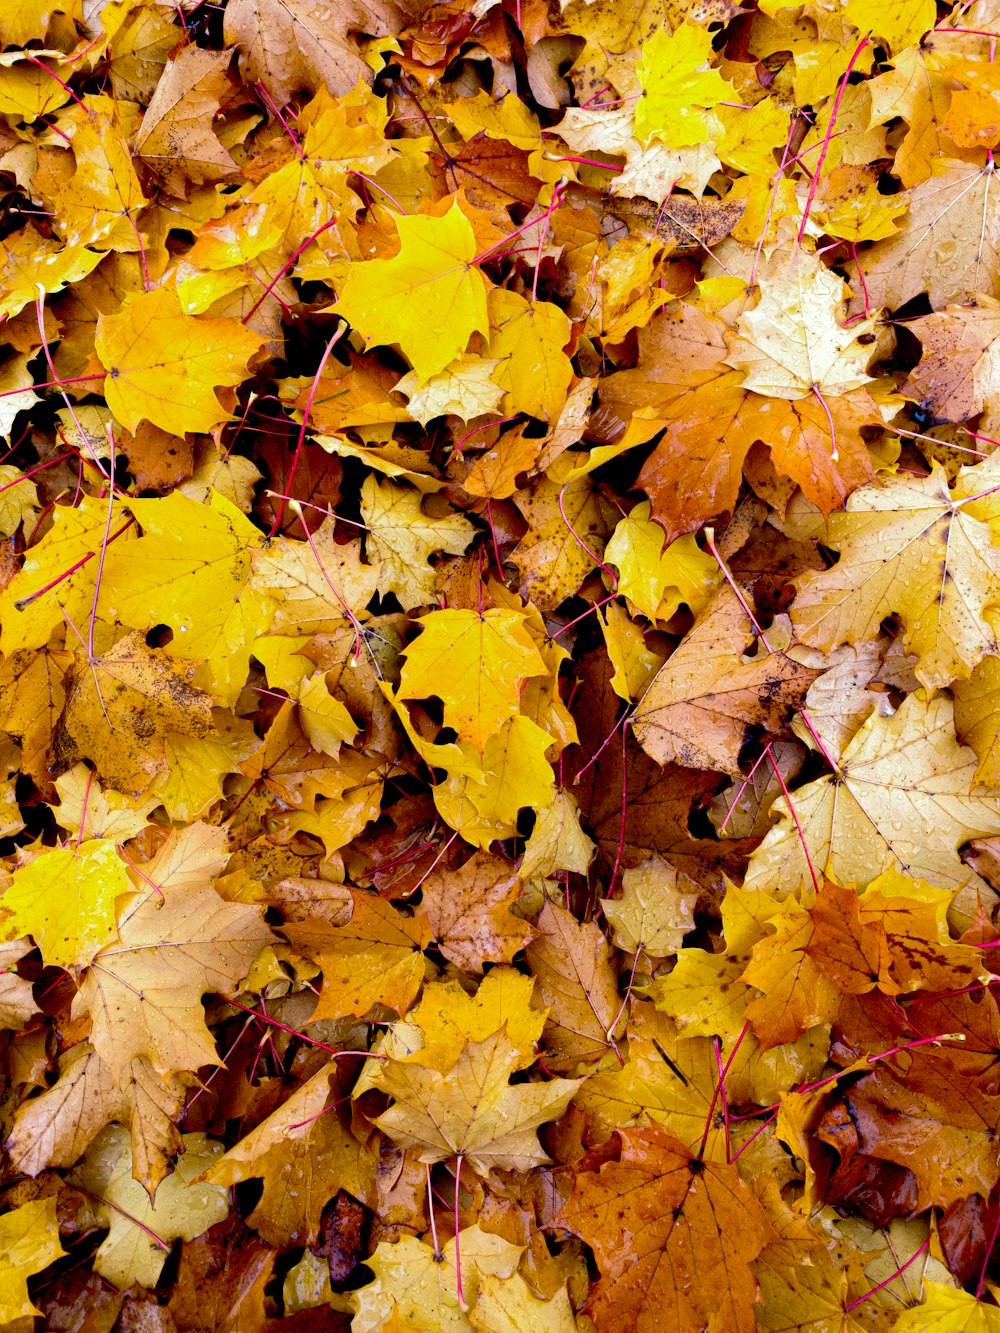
673	1237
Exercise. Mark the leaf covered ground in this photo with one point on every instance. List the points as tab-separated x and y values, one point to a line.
499	666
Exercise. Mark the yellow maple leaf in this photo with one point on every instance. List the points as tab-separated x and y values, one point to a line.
703	993
475	664
144	990
99	204
634	663
471	1111
402	537
58	576
317	585
324	719
139	1230
447	1017
557	841
415	1289
164	366
29	1242
65	900
463	389
947	1310
904	796
527	340
901	23
482	801
791	344
431	285
913	547
657	580
121	704
56	1127
305	1152
191	570
653	912
678	87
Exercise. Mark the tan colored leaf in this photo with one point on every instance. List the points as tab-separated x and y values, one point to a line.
467	912
576	980
707	700
653	913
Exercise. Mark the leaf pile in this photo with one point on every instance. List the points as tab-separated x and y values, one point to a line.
499	666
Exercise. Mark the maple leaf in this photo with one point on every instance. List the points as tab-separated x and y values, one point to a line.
705	702
577	981
557	841
420	1284
175	140
549	556
659	802
958	364
372	958
164	365
191	570
304	1154
676	88
65	899
704	993
99	203
289	45
791	345
950	243
17	1004
647	572
913	547
712	421
54	1128
943	1309
63	568
510	1302
401	538
120	706
29	1242
666	1079
467	912
139	1230
652	913
693	1228
882	812
316	584
464	388
527	342
430	282
475	663
927	1118
845	945
481	801
470	1111
143	991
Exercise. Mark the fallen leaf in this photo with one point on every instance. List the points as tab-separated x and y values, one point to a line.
653	913
29	1242
65	899
430	282
139	1232
467	912
164	366
373	957
707	701
693	1228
